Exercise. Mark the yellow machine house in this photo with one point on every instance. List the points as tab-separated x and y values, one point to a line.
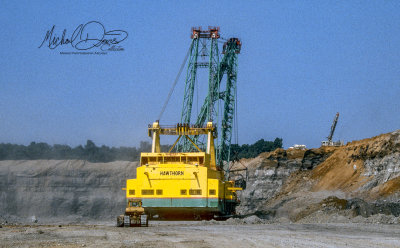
182	185
192	179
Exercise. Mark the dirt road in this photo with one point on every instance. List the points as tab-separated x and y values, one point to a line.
202	234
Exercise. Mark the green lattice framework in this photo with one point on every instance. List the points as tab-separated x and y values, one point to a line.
216	92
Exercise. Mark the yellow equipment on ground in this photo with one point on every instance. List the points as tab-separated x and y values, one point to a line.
134	215
191	183
182	185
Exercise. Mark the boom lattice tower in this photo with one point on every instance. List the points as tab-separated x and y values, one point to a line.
205	44
329	142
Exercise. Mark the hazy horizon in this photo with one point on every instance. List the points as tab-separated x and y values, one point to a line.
300	63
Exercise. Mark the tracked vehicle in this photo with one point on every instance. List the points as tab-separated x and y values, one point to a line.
191	179
134	215
185	185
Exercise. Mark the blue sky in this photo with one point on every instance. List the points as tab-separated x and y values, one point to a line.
301	62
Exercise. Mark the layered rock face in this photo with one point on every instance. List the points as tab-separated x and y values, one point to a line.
363	175
360	178
63	190
270	171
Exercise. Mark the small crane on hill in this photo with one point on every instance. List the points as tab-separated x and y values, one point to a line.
329	142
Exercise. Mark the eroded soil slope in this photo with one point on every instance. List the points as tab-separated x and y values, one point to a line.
360	178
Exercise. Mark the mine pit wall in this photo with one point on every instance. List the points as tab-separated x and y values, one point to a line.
62	190
383	171
371	186
270	171
282	181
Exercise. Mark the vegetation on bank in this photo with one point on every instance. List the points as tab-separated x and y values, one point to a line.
93	153
252	151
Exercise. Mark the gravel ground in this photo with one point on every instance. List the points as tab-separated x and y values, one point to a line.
202	234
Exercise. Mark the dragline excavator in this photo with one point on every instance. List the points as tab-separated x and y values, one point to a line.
329	142
191	179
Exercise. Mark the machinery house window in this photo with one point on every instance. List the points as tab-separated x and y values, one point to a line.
194	191
147	191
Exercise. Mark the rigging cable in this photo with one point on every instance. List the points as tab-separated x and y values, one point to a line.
175	82
236	124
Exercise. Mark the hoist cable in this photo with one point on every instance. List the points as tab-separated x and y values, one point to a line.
175	82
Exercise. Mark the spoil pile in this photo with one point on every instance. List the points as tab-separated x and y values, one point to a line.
334	184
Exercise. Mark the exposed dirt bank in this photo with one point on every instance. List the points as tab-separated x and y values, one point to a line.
361	178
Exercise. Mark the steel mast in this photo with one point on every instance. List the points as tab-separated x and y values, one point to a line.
333	127
217	91
208	40
231	51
